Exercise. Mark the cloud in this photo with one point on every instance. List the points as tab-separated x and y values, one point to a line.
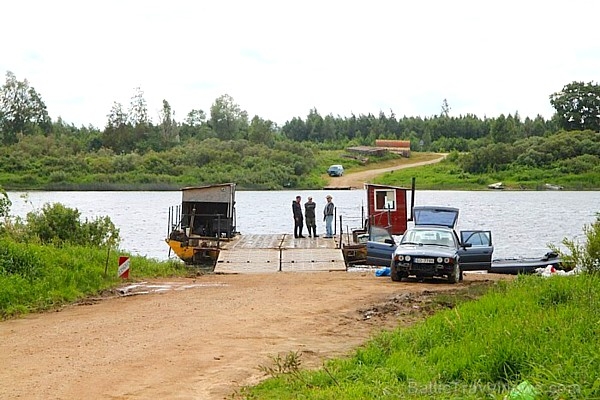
278	59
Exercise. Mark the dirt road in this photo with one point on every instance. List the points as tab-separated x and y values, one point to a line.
356	180
201	338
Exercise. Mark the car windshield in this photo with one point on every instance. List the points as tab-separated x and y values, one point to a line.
436	237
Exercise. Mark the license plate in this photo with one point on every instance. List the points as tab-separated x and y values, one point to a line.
424	260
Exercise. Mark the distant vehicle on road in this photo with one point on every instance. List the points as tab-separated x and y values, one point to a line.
335	170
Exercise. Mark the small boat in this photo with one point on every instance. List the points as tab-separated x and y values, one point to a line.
549	186
205	219
516	266
496	186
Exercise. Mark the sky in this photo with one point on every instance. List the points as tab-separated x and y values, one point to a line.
280	59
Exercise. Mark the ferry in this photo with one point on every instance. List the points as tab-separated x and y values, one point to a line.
203	221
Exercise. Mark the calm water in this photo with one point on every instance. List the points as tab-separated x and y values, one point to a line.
522	223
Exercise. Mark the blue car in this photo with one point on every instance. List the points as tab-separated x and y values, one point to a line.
432	247
335	170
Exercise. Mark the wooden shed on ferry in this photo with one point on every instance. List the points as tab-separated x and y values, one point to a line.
389	207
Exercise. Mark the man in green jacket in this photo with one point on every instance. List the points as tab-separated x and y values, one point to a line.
309	215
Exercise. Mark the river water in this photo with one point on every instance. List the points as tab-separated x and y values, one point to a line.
523	223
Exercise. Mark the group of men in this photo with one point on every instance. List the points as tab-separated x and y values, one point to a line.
311	219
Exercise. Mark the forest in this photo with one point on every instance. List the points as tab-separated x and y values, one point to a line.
134	152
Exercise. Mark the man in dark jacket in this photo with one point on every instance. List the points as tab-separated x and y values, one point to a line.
309	215
298	217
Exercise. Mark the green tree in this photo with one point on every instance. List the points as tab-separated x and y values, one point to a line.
445	109
168	126
505	129
578	106
261	131
138	109
22	110
295	130
314	125
196	125
118	132
228	120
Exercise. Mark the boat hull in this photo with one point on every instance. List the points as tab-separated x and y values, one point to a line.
194	254
524	265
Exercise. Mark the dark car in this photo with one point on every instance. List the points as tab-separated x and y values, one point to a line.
432	247
335	170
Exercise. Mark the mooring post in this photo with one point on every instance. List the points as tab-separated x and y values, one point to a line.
280	258
281	251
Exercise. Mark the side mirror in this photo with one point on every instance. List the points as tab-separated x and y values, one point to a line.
465	245
389	241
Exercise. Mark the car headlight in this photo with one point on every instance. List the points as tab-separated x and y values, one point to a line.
407	258
447	260
439	260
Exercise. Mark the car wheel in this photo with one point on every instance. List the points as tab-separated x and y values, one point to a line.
454	276
396	277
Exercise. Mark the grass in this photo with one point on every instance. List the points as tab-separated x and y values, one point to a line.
35	278
446	175
544	331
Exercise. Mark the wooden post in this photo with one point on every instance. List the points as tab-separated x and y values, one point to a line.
107	256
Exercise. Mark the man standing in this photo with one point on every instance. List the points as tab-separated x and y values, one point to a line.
328	217
298	223
311	220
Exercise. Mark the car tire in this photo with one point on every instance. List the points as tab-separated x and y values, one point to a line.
454	276
396	277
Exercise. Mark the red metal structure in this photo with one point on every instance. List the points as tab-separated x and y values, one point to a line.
388	207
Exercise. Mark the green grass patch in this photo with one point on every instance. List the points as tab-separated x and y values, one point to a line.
448	175
544	331
35	277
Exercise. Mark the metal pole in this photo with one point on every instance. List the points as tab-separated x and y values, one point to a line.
280	257
192	221
341	233
334	220
281	252
218	231
169	222
362	216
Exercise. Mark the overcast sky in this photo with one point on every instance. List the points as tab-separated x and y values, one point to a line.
279	59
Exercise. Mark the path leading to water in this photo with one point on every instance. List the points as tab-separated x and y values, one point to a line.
203	337
356	180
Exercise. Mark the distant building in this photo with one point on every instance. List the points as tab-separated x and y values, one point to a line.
401	147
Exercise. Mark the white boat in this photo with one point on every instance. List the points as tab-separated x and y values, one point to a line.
549	186
497	186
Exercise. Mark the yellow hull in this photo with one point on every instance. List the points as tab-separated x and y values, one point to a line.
189	254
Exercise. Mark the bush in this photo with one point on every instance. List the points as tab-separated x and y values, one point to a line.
57	224
4	204
585	255
18	260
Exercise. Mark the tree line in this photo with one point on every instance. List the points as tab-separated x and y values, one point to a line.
131	137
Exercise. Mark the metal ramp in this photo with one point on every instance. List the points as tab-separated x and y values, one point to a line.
280	252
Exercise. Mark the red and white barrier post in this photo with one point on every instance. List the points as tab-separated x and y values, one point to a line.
124	267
